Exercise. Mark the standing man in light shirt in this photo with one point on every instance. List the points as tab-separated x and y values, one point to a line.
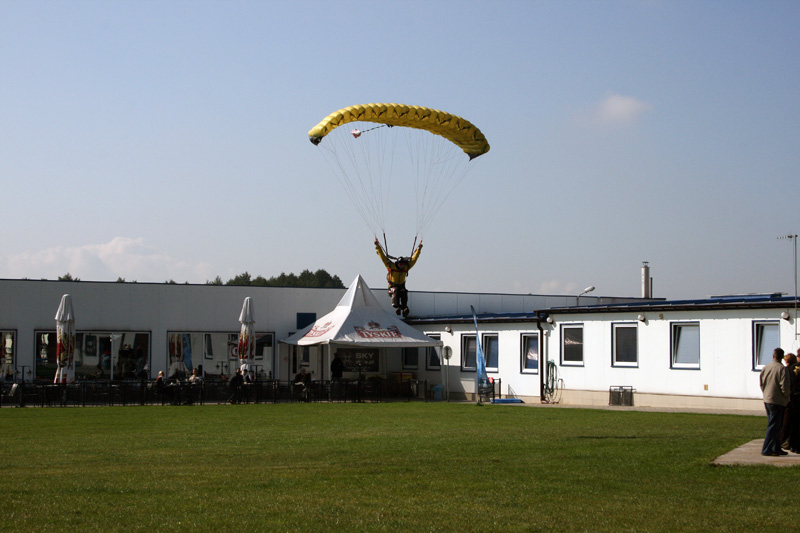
776	388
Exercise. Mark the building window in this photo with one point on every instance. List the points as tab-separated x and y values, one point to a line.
469	353
491	351
571	345
624	346
216	354
7	368
433	359
305	319
685	343
265	354
410	358
97	355
766	337
530	353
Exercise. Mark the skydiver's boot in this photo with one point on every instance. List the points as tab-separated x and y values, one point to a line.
405	312
398	310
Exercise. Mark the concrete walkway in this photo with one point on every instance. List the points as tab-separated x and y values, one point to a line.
750	454
708	411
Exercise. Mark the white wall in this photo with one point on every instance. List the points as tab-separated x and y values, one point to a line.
726	353
158	308
726	335
26	306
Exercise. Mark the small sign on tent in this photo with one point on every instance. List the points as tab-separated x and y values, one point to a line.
359	359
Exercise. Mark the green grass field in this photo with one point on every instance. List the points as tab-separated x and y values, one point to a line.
380	467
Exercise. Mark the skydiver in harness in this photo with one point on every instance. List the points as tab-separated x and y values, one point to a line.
397	270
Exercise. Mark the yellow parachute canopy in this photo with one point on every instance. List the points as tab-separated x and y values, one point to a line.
459	131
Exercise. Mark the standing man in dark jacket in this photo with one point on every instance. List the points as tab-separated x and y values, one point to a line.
235	385
337	367
794	405
776	389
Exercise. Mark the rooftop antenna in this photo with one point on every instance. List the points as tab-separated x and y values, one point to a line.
793	238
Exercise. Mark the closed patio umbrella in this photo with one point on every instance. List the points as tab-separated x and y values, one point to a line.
65	347
247	344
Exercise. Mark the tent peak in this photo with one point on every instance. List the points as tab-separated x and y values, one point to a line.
359	295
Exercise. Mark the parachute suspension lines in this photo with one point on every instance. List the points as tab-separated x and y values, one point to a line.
360	165
394	257
428	154
438	171
396	178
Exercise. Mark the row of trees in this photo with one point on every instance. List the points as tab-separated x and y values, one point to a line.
320	278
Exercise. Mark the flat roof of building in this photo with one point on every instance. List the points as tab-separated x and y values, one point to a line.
736	301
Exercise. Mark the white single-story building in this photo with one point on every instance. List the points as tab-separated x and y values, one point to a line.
128	330
692	353
700	353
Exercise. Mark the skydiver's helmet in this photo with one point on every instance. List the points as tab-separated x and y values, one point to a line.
403	263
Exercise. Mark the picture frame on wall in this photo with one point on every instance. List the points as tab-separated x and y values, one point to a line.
90	345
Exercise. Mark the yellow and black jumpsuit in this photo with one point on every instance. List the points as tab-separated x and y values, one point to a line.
396	276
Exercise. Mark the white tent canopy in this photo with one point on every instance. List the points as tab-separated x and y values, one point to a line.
359	320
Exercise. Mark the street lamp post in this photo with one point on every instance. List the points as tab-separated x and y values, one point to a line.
21	370
793	238
586	290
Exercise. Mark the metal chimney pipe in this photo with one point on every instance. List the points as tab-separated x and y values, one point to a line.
647	282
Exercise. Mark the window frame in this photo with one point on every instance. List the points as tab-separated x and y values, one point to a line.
465	338
41	367
523	353
407	351
565	327
429	350
218	351
485	338
675	342
614	346
758	340
5	365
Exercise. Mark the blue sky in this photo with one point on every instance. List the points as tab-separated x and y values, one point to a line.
168	140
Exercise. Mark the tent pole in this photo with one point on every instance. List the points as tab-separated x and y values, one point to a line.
328	365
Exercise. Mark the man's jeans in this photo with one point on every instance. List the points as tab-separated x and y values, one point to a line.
772	441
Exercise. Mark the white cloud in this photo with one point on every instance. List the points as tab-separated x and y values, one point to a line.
122	257
615	109
555	286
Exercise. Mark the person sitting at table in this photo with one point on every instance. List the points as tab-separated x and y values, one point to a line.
196	382
302	377
195	378
302	381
